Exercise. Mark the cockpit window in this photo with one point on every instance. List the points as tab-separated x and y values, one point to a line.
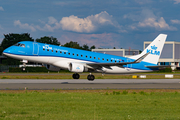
19	44
22	45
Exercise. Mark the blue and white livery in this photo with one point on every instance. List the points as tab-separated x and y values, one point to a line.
78	61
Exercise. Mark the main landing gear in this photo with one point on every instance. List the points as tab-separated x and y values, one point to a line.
90	77
76	76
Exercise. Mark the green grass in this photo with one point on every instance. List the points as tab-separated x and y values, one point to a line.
113	105
82	76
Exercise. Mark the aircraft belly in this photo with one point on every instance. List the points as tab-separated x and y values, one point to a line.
38	59
56	61
118	70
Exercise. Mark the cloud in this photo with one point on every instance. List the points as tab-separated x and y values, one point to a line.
73	23
52	20
104	40
147	19
1	8
177	1
99	23
24	26
159	24
175	21
89	24
50	26
144	14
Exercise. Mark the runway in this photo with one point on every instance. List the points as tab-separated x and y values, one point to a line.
69	84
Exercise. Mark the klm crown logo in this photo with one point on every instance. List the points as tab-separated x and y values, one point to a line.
153	47
153	50
78	68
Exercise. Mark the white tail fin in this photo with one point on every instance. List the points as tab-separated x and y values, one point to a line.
155	49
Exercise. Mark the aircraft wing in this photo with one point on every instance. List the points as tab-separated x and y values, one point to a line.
118	63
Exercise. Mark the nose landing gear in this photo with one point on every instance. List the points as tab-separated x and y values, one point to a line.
90	77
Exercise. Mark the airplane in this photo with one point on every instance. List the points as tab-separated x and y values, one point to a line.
78	61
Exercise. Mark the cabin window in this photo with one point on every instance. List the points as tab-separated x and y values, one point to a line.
86	56
98	58
115	60
64	52
77	55
43	49
90	57
52	50
81	55
94	57
69	53
56	51
107	60
47	49
111	60
60	51
103	59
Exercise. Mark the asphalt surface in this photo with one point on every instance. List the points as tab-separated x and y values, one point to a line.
69	84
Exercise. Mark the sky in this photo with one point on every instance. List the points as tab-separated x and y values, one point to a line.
103	23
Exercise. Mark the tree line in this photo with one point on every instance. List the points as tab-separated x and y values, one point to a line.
12	38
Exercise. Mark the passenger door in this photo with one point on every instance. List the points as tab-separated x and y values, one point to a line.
35	49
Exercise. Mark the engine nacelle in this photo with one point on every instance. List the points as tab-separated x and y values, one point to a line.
52	68
77	68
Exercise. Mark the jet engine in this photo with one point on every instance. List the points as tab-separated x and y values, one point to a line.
77	68
52	68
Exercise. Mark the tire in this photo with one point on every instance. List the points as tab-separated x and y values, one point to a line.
76	76
90	77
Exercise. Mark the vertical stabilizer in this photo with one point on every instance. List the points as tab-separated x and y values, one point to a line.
154	50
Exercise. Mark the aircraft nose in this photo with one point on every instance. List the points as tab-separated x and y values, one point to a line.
4	54
6	51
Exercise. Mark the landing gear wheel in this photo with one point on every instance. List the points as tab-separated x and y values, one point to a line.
23	68
76	76
90	77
